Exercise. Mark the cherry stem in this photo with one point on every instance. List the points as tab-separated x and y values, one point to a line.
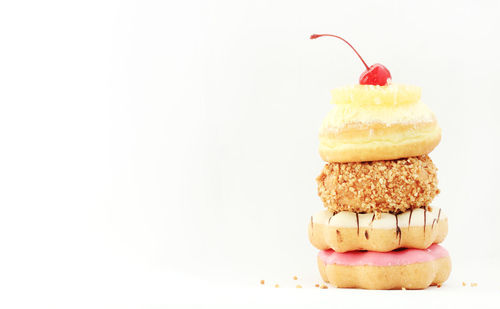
315	36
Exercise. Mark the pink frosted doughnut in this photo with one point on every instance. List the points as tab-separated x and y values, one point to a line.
404	268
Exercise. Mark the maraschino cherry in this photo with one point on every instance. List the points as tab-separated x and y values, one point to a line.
376	74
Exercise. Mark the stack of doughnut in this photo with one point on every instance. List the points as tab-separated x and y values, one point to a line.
378	229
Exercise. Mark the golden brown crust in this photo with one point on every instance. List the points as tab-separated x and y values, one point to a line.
379	186
342	239
378	142
411	276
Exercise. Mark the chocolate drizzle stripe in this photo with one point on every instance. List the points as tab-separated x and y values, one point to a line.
433	221
398	230
357	222
425	218
330	219
366	234
409	219
439	214
373	218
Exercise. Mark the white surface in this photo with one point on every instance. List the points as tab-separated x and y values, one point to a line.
157	152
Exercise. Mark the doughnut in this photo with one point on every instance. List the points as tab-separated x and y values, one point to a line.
405	268
393	186
371	123
349	231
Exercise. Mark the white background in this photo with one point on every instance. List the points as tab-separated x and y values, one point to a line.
157	152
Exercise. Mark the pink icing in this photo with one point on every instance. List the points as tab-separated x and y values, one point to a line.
372	258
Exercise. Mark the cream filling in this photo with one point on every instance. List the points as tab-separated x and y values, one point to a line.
347	219
395	139
342	115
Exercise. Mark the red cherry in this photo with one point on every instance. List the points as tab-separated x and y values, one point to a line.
376	74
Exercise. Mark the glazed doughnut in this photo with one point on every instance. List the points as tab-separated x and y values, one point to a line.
406	268
393	186
369	123
348	231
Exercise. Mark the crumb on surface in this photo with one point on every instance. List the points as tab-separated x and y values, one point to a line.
473	284
316	285
324	286
261	281
299	286
276	285
464	284
393	186
295	278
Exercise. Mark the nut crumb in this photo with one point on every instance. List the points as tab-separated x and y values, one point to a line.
299	286
277	286
464	284
295	278
393	186
316	285
261	281
473	284
324	287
